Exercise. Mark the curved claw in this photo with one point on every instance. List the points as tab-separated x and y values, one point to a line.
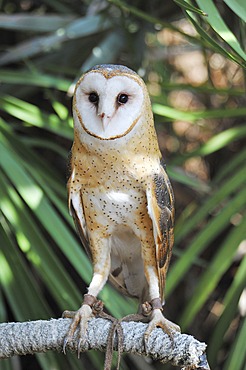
80	341
64	345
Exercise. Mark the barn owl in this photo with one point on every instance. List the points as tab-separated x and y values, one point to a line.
119	193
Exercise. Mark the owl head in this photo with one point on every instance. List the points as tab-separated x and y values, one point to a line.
109	101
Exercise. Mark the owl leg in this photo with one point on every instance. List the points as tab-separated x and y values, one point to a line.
90	305
153	309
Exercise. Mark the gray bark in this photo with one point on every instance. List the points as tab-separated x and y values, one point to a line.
41	336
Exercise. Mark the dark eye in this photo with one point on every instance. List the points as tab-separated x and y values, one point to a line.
122	98
93	97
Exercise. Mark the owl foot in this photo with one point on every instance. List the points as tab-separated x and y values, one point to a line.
93	307
90	307
153	310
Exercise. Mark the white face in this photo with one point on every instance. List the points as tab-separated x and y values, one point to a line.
108	108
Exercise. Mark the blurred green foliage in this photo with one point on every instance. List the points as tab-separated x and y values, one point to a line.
192	57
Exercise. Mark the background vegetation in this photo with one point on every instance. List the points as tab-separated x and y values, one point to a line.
191	55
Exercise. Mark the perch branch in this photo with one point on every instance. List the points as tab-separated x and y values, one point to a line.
41	336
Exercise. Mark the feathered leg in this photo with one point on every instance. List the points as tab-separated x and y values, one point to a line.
101	269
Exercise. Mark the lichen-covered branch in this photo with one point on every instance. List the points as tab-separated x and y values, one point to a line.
41	336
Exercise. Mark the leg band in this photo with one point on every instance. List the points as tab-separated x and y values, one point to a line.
89	299
156	304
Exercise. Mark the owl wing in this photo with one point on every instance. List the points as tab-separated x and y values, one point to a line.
76	209
80	227
161	210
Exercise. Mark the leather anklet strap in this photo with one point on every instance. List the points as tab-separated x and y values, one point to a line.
156	304
89	299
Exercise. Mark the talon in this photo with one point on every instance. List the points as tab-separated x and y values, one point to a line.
64	345
79	344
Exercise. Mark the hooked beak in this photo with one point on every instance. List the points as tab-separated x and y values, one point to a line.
105	120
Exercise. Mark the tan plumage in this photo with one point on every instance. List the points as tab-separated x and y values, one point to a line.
119	193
